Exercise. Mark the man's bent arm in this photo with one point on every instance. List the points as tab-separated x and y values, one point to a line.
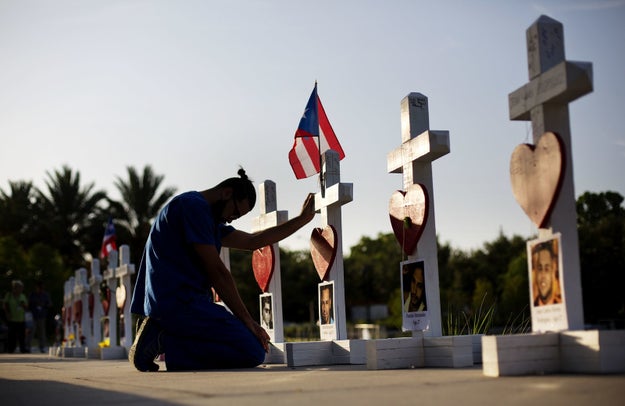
242	240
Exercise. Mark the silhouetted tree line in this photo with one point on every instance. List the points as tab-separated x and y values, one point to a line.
46	234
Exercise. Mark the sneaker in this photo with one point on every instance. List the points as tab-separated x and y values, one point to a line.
147	346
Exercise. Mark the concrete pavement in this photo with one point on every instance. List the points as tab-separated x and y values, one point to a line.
34	379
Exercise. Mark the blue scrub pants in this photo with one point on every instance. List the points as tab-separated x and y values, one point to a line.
204	335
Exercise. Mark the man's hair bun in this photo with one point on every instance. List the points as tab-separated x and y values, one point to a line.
241	173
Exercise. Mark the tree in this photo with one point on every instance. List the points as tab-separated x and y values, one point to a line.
471	282
395	316
18	214
140	203
515	299
71	216
44	263
372	270
299	286
457	275
12	263
601	227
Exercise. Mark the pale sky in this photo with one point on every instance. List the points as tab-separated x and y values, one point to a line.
197	88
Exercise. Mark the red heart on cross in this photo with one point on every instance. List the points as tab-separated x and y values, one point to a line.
536	174
91	304
263	262
408	211
106	301
78	311
323	249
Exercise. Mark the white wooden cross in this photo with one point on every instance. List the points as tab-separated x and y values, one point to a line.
224	255
123	273
68	303
81	293
555	82
109	276
413	158
329	204
270	217
95	336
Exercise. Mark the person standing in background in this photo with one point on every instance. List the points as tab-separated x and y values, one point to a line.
15	306
39	302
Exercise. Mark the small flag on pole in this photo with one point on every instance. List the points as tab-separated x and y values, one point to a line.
313	137
108	242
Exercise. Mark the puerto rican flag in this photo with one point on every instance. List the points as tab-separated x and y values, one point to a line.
314	129
108	242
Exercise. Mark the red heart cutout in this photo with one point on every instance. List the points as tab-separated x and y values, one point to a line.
409	213
263	262
78	311
91	304
67	315
323	249
536	174
106	301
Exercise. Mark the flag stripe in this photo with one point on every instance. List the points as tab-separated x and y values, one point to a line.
296	163
304	157
328	133
312	149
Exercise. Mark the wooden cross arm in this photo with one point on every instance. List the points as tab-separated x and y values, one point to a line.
125	269
339	193
425	147
561	84
266	220
95	280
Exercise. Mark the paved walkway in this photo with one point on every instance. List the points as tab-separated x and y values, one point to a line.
33	379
